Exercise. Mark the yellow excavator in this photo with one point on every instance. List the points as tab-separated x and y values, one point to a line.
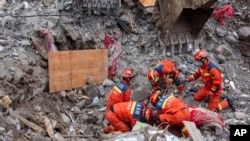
180	21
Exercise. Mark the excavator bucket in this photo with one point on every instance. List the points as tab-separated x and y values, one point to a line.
181	21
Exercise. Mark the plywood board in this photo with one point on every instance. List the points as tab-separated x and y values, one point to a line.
70	69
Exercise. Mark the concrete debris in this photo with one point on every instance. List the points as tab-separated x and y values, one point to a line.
240	115
244	33
28	111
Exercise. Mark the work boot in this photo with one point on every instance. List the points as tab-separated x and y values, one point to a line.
230	101
231	104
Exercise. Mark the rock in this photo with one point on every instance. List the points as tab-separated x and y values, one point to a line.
220	31
231	39
47	3
221	58
135	39
2	130
4	42
231	87
58	137
76	110
71	96
210	46
239	115
65	118
81	103
62	93
224	50
130	3
90	80
59	4
101	90
244	33
37	108
2	93
91	91
8	22
71	32
84	117
83	127
244	49
25	43
11	121
140	94
189	47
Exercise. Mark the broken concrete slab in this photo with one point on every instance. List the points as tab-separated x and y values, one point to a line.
91	91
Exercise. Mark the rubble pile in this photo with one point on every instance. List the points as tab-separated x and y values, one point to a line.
30	112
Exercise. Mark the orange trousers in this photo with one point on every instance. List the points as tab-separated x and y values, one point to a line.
214	103
118	124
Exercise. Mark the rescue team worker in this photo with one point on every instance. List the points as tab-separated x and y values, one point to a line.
121	92
163	69
212	80
123	116
170	110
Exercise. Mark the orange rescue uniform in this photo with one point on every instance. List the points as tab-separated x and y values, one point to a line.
212	80
173	111
166	68
121	92
123	116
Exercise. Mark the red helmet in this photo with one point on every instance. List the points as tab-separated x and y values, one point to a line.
200	55
147	114
153	75
153	98
128	73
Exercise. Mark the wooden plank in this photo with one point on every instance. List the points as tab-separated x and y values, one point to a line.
193	131
29	124
70	69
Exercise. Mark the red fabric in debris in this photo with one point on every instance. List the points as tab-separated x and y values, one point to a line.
201	115
220	14
108	42
112	69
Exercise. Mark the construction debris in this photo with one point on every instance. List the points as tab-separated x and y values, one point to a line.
30	110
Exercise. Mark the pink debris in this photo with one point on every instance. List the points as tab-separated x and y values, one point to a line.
48	39
225	11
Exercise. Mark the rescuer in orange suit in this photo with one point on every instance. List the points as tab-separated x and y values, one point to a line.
212	80
123	116
173	111
170	110
121	92
163	69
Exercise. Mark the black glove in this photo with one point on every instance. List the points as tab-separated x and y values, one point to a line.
156	120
